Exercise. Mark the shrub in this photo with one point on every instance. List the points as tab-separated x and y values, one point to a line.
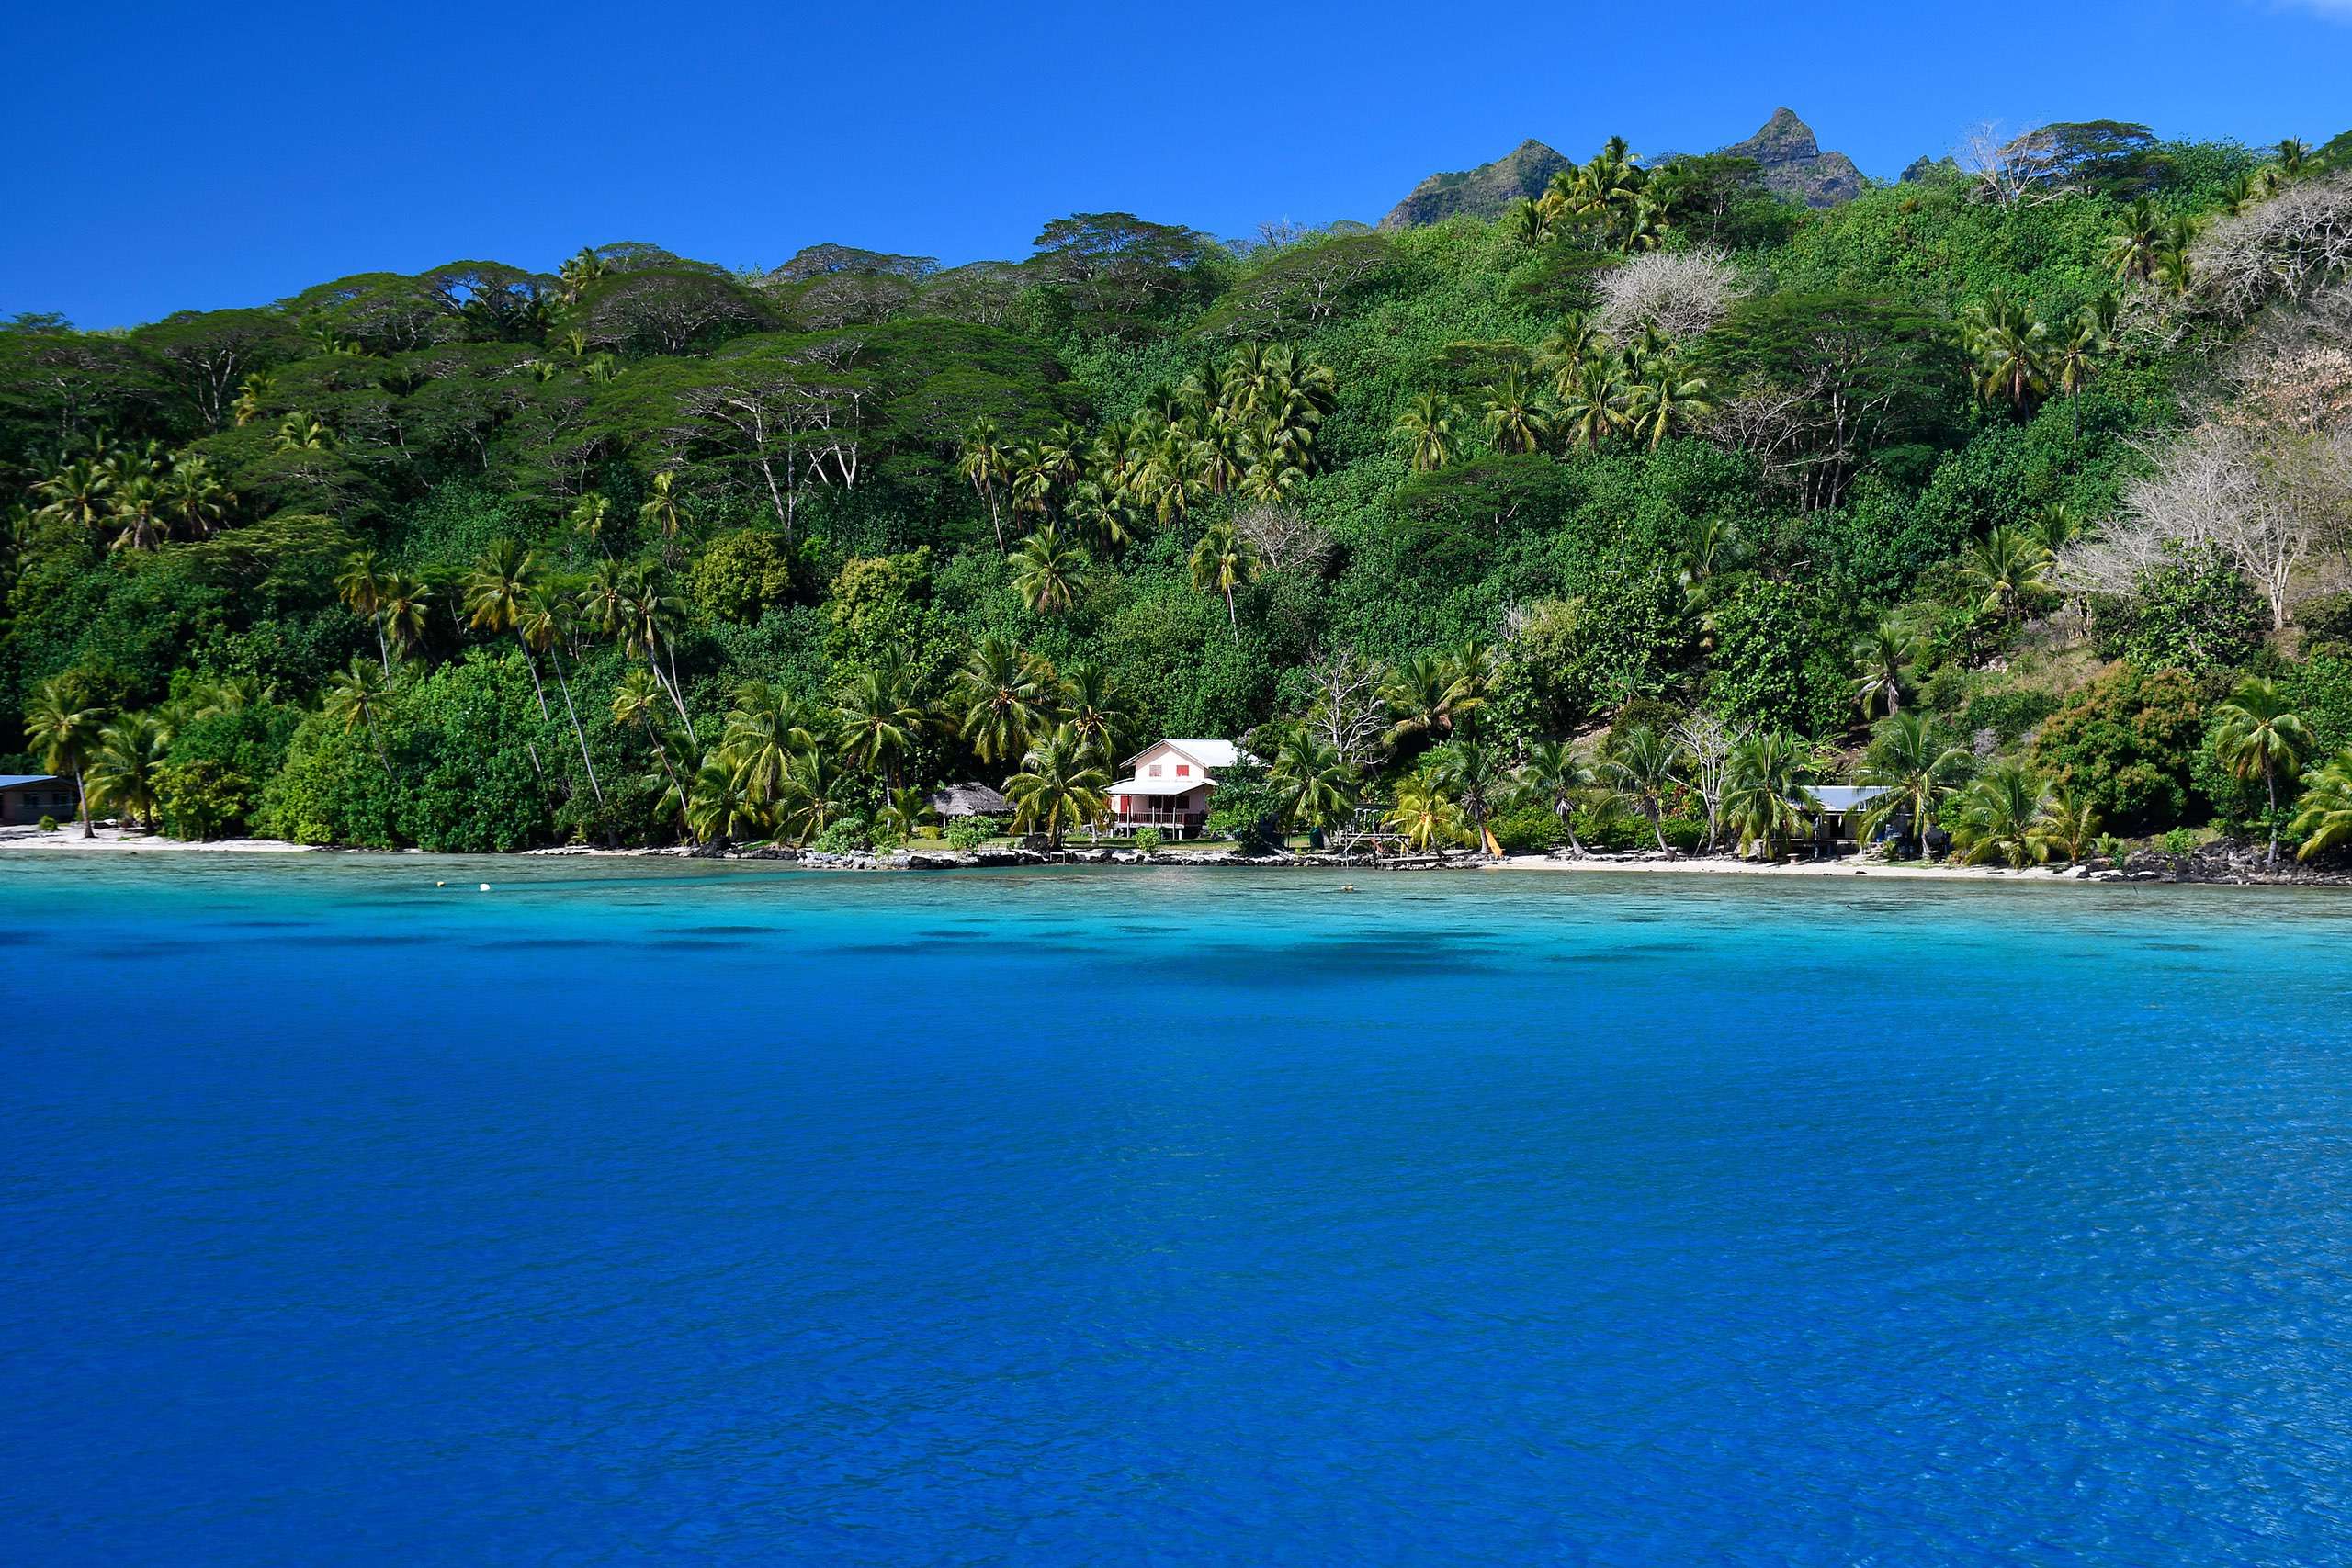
1528	830
1685	834
1148	841
1245	808
2011	714
2177	842
743	575
47	824
844	836
968	833
201	798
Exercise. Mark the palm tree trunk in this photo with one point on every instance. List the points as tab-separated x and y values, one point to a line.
383	649
376	734
577	733
82	790
1231	618
1657	829
1569	820
533	665
677	694
2270	777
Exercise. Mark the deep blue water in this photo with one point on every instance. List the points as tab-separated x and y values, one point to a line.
728	1214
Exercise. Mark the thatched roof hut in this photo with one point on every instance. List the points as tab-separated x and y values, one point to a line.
969	800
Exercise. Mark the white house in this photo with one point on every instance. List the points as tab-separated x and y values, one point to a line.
1168	785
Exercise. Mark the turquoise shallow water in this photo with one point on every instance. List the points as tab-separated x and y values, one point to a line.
726	1213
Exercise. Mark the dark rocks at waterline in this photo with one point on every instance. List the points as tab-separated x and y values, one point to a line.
2232	862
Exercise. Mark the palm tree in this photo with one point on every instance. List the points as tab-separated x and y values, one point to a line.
1047	571
2072	823
2008	565
359	697
1092	705
1512	416
663	512
2324	816
636	702
1916	769
1762	780
1318	789
64	733
2131	251
1423	814
129	757
2259	735
251	392
76	493
1644	772
402	605
812	795
717	806
1005	699
300	432
193	498
1224	559
2004	817
2010	345
2174	260
2074	360
1556	778
543	623
1427	427
138	513
1592	405
1664	398
902	813
877	722
590	516
1059	787
766	731
362	590
1415	692
497	590
1881	658
1468	772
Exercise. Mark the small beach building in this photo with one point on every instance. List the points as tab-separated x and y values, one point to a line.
1836	811
26	798
951	801
1168	785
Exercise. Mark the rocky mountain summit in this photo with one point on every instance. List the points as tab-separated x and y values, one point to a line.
1485	191
1793	163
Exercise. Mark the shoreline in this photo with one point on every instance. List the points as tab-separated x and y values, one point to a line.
2146	868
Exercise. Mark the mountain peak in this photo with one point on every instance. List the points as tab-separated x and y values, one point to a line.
1485	191
1794	165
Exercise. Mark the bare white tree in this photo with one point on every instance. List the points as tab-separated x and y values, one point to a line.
1348	710
1680	294
2286	247
1707	743
1994	163
2272	501
1284	534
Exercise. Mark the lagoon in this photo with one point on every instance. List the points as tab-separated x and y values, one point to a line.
639	1210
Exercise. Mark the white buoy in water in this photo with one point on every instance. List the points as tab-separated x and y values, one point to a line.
485	886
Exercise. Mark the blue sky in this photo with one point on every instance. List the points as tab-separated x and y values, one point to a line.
169	156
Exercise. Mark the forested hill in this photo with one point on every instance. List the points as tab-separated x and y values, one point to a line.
1657	478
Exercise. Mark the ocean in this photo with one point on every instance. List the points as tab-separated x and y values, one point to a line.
645	1209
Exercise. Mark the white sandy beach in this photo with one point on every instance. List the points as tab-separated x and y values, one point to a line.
112	838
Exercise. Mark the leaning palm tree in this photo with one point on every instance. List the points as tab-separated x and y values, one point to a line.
1643	771
636	703
1059	787
125	767
2004	817
358	697
985	459
64	733
2259	735
1006	699
1469	772
1416	695
496	591
1427	429
2323	818
544	624
1224	559
1556	778
1881	658
1048	570
1916	769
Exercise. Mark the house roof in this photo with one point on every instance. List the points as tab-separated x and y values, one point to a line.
1158	786
972	799
1207	753
18	780
1845	797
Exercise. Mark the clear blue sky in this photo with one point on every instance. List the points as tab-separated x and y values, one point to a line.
193	156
